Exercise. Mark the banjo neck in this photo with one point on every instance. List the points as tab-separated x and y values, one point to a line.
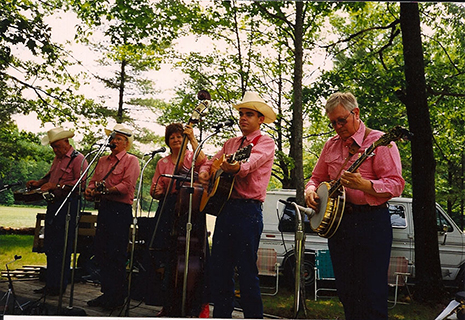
337	185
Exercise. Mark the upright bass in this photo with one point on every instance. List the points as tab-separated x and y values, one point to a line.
190	250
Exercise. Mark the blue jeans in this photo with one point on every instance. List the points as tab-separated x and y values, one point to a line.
360	252
235	243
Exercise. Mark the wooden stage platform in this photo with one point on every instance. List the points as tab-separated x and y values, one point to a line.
35	306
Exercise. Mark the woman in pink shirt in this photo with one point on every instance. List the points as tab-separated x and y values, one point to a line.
162	250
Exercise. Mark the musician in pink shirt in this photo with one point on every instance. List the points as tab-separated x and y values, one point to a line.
112	186
240	223
57	183
360	248
163	256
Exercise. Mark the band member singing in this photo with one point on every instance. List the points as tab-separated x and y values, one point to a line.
58	182
240	222
113	185
360	249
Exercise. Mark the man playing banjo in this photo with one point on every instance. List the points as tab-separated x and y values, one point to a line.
360	248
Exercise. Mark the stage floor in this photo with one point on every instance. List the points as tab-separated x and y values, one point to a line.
83	292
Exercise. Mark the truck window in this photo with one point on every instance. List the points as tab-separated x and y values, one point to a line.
397	216
287	220
442	223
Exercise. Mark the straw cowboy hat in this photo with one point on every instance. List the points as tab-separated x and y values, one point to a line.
56	134
119	128
252	100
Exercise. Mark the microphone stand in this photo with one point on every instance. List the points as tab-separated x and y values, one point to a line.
68	217
189	221
134	227
299	293
76	235
11	291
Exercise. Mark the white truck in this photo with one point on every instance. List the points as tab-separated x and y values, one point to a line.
279	234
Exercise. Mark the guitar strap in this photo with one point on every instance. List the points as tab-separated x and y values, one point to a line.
254	141
353	150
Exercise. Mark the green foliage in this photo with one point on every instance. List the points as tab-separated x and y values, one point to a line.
23	159
42	82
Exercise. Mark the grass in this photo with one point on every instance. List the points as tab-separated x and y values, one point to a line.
20	245
281	305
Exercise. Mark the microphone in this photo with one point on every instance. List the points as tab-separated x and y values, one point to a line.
122	132
226	123
112	145
111	136
162	149
173	176
308	211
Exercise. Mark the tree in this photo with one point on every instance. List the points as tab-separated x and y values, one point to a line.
429	284
41	83
136	36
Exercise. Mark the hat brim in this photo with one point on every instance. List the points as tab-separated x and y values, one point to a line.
59	136
263	108
130	138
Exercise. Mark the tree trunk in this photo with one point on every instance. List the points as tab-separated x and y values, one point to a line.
119	117
429	286
297	131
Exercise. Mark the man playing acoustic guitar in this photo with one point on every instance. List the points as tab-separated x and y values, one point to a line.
240	222
361	247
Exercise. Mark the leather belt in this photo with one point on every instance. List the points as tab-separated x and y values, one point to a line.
254	201
362	208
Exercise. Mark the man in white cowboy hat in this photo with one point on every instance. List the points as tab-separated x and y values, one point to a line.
240	223
113	185
63	175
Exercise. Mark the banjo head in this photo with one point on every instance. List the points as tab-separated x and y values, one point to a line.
319	216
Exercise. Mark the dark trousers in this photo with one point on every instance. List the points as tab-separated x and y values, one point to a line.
235	243
54	240
360	252
111	247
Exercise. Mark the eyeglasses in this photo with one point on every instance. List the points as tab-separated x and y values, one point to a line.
340	121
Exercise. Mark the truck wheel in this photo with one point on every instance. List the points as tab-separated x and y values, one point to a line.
309	271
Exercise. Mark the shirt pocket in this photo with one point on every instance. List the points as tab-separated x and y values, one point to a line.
117	174
66	175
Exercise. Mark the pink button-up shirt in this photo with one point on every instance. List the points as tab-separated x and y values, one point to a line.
66	171
253	177
166	166
123	177
383	169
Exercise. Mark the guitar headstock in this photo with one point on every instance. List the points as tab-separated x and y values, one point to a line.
396	133
243	154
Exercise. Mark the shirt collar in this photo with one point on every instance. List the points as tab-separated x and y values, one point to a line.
252	135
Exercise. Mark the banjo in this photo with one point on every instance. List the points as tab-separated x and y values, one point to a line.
326	220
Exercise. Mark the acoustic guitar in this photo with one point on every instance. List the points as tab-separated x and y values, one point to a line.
326	220
221	183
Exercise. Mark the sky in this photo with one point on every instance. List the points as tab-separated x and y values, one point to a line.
166	79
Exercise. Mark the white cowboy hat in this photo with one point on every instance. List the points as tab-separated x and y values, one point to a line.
252	100
56	134
120	129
